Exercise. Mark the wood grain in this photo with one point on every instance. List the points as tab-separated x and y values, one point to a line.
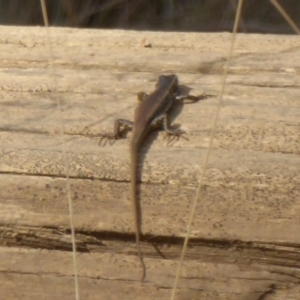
245	239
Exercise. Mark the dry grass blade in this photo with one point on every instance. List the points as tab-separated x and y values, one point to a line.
238	14
65	159
285	15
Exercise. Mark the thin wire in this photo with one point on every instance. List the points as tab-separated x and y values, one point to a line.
237	18
285	15
65	159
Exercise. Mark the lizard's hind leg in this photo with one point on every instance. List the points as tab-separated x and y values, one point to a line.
121	126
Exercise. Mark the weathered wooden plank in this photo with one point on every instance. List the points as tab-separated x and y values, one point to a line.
99	274
251	212
174	52
245	241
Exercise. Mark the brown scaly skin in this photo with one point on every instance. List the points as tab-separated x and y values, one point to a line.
152	111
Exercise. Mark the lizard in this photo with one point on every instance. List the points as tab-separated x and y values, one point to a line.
151	112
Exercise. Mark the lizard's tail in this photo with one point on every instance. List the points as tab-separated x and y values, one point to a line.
136	204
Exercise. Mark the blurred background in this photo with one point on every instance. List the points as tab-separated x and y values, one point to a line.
164	15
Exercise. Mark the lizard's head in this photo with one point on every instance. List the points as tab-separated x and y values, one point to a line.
168	80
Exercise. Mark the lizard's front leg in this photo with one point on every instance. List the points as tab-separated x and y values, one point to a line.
121	126
171	134
141	96
192	98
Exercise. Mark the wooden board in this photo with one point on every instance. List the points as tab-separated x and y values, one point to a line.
244	243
